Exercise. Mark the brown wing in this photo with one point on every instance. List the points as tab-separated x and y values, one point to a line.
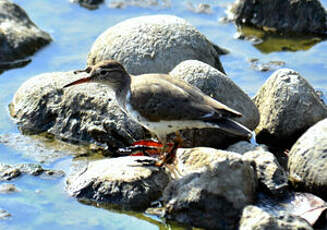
160	97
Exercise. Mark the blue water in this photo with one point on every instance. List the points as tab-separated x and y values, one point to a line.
43	203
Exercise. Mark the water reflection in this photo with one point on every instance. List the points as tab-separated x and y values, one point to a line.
268	42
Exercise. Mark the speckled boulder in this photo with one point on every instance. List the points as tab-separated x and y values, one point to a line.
301	16
153	44
19	36
307	163
87	113
288	106
214	188
220	87
256	218
123	181
271	176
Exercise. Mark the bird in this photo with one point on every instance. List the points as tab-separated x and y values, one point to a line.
163	104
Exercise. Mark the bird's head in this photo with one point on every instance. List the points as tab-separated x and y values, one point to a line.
108	72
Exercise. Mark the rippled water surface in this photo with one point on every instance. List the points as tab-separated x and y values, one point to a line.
43	203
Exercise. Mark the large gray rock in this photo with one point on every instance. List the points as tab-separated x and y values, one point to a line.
307	163
86	113
153	44
288	105
214	188
19	36
220	87
302	16
271	176
256	218
123	181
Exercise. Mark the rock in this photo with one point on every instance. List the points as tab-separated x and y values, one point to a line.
123	181
264	67
222	88
8	188
89	4
305	205
9	172
19	36
256	218
120	4
271	176
201	8
85	114
288	105
214	188
307	162
4	214
153	44
301	16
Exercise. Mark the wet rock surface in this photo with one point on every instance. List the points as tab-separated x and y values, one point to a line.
220	87
214	187
256	218
153	44
121	4
264	67
4	214
9	172
302	16
8	188
83	114
89	4
271	176
288	105
307	160
19	36
124	181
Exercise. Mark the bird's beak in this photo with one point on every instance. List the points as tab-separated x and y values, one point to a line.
79	81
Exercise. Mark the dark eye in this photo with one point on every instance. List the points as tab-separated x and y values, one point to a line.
103	72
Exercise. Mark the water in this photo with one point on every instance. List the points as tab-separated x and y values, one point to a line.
43	203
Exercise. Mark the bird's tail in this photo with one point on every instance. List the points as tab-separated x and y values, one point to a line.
232	127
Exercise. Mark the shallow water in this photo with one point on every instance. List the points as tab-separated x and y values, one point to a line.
43	203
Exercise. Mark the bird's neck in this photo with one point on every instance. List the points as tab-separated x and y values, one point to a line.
123	91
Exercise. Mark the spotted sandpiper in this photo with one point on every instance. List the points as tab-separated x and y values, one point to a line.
162	104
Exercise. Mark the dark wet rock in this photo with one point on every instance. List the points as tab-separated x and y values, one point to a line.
214	188
153	44
86	114
9	172
301	16
201	8
19	36
308	160
264	67
256	218
120	4
288	106
271	176
8	188
89	4
220	87
123	181
4	214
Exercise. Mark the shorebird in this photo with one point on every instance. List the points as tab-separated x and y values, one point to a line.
163	104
